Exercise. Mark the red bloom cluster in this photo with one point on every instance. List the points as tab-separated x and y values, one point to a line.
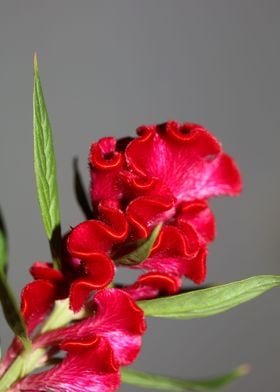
162	177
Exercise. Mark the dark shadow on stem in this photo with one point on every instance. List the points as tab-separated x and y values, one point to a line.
184	290
56	246
195	288
3	229
80	193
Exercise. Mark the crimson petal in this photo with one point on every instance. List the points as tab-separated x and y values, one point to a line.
117	318
186	158
37	299
177	252
89	367
198	214
99	272
105	166
93	235
153	284
146	212
43	270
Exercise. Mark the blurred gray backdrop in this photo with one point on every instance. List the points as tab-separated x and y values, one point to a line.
109	66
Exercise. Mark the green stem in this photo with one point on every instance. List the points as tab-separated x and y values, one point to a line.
11	311
13	374
22	365
61	316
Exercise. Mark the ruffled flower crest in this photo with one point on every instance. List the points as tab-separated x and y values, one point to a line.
96	346
165	175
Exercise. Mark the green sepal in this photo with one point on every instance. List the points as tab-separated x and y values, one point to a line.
11	311
210	301
45	168
143	250
155	381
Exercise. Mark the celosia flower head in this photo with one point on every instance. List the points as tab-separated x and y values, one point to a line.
159	181
165	175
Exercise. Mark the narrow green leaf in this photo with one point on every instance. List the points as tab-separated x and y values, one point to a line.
11	311
206	302
3	245
143	251
9	305
80	193
148	380
45	167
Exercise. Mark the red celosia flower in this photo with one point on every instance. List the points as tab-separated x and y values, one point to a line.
97	346
89	366
181	246
37	299
185	160
115	317
88	267
153	284
91	242
165	175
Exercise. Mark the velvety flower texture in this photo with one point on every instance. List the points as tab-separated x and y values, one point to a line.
86	268
165	175
89	366
96	346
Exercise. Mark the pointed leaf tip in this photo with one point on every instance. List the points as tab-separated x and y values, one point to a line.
244	370
164	383
207	302
45	168
35	62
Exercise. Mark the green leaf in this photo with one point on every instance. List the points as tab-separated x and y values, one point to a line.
143	251
45	168
3	245
148	380
206	302
80	193
11	311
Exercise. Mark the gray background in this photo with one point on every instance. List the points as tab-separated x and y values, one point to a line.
109	66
